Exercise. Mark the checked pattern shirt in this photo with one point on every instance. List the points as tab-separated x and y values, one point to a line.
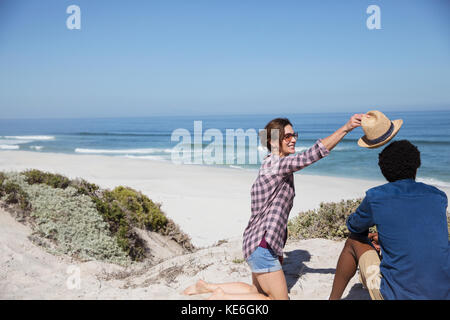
272	196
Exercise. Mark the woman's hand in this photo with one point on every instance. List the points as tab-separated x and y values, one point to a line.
354	122
331	141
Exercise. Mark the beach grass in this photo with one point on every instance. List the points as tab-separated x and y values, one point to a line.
328	221
80	219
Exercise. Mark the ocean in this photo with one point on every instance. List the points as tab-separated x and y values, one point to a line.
158	138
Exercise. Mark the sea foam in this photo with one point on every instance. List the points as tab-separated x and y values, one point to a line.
124	151
30	137
8	147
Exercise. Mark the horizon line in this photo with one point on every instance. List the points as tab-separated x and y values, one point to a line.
213	115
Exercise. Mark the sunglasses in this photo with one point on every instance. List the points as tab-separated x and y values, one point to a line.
289	136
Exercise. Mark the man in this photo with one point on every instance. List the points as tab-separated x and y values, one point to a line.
412	234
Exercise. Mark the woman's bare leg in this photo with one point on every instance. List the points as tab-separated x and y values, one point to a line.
272	284
229	288
256	283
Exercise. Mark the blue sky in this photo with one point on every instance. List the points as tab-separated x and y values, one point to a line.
144	58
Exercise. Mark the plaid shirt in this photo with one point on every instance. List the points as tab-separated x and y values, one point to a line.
273	196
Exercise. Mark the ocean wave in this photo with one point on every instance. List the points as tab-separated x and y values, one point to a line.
124	151
158	158
124	134
8	147
139	150
36	147
6	142
194	150
30	137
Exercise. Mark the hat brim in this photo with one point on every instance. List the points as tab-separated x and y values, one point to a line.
397	125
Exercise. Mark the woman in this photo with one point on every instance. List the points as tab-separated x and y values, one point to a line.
272	198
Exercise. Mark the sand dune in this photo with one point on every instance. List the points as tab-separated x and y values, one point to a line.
28	272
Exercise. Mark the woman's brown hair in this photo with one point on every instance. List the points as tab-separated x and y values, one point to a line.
277	124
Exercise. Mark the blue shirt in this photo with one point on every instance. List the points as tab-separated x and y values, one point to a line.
412	231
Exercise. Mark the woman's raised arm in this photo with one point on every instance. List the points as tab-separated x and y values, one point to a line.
332	140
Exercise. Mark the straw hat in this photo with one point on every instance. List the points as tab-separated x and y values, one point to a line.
378	129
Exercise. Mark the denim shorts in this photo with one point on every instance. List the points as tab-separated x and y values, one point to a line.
263	260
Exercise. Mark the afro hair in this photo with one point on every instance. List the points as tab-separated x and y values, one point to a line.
399	160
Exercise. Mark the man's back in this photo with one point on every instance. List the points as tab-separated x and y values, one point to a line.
413	235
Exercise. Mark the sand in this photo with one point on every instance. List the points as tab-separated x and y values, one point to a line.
28	272
208	203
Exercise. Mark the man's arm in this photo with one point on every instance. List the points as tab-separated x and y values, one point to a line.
361	220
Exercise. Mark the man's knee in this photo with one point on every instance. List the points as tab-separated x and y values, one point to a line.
349	247
357	245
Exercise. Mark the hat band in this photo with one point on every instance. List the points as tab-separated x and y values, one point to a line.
379	139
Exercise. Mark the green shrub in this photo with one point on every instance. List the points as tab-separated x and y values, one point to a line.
173	231
119	225
13	194
35	176
121	210
326	222
329	221
143	213
84	187
2	178
69	222
124	208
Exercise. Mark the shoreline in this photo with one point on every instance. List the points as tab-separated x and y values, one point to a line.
157	158
208	203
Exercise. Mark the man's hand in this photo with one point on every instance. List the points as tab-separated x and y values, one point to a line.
373	237
354	122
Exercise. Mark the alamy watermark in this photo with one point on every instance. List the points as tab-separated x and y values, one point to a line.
236	146
374	20
373	280
73	282
74	20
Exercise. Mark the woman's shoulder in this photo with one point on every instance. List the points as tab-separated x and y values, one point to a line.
269	166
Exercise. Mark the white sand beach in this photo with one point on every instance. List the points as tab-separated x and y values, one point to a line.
208	203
